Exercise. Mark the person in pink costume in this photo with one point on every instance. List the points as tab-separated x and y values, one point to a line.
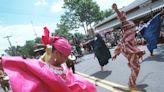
31	75
128	46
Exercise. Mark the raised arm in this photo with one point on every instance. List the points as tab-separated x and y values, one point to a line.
114	6
87	42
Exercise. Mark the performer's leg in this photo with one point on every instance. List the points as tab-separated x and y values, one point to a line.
150	50
3	85
151	53
8	85
135	67
73	68
102	69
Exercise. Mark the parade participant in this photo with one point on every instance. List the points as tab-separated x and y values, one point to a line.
76	43
47	54
39	52
151	32
100	50
162	28
128	47
141	25
70	62
30	75
46	41
162	21
4	79
139	38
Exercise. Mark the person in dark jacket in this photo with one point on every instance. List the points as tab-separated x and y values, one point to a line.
100	49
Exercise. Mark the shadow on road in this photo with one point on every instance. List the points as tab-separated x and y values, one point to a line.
145	77
158	58
141	88
102	74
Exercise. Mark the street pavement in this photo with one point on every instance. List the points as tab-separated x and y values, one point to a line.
115	78
150	79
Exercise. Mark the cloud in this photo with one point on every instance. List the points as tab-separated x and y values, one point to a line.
57	6
41	3
19	33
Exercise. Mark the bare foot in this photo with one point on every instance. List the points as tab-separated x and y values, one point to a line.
152	55
102	69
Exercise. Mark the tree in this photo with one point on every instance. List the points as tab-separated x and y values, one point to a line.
66	24
85	12
26	50
9	51
62	30
106	13
70	21
38	40
13	51
80	36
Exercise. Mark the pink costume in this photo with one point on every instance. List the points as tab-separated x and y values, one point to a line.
128	46
30	75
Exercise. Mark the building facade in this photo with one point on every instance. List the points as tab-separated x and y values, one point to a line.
136	11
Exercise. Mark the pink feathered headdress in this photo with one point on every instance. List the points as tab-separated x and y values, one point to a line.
60	43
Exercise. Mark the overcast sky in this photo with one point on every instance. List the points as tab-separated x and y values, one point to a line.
22	18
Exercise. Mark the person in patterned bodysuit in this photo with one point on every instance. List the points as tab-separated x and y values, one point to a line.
127	46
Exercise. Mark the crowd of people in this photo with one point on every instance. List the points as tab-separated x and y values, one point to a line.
113	38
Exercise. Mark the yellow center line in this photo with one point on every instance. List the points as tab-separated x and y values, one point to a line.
106	84
102	81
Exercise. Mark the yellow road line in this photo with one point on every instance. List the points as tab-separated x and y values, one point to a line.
103	81
105	84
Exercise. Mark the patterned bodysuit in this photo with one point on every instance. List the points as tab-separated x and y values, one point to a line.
128	46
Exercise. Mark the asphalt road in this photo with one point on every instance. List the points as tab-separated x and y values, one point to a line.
150	79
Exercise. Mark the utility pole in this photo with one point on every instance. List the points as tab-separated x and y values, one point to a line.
8	38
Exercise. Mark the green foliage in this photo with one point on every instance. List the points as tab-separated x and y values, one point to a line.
106	13
38	40
80	36
70	21
26	50
83	12
9	51
62	30
65	26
